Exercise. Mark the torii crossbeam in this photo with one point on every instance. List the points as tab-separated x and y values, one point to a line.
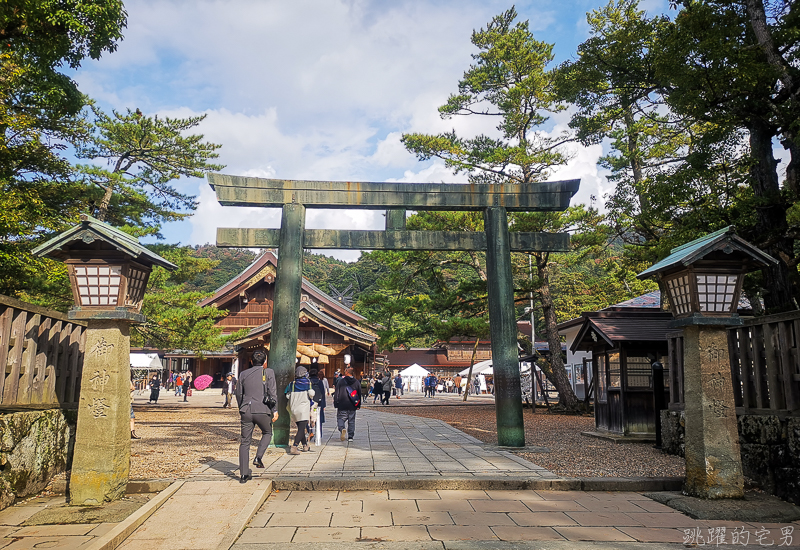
292	238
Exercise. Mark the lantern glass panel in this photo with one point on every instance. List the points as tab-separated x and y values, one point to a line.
716	292
137	279
98	285
680	293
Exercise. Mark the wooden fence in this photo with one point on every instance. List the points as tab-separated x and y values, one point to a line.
765	365
42	351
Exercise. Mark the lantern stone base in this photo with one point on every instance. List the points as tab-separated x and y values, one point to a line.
713	461
102	458
119	314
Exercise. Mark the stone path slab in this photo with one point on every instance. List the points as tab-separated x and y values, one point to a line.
201	515
485	519
394	446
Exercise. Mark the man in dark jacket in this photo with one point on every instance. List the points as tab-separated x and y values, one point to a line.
254	385
345	408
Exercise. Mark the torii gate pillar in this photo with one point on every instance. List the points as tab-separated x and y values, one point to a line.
505	359
286	312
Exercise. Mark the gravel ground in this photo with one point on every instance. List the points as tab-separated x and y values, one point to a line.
176	440
572	454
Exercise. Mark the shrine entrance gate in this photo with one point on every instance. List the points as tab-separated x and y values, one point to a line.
495	200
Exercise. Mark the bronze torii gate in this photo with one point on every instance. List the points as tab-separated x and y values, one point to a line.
494	200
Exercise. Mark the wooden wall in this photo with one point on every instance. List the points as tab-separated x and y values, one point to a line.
42	352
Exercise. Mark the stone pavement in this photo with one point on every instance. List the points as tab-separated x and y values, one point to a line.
453	518
15	536
390	445
405	482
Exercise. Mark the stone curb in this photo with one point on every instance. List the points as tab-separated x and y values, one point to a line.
243	517
123	530
468	545
511	484
134	487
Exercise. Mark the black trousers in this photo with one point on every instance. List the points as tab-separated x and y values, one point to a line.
385	398
249	422
154	395
300	436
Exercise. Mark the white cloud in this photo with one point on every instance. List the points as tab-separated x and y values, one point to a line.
314	89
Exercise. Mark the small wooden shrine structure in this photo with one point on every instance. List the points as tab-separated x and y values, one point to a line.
624	342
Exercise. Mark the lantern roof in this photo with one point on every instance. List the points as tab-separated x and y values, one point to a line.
725	240
91	229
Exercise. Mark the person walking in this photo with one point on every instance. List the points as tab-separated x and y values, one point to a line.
155	387
320	400
133	416
398	386
377	388
346	407
457	383
387	388
187	385
178	385
300	394
257	397
228	389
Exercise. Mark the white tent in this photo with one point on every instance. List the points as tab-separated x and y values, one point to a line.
485	368
478	368
414	370
145	361
412	377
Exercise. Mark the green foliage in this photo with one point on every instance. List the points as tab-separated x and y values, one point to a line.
508	80
318	268
422	296
145	155
229	262
690	108
39	113
174	319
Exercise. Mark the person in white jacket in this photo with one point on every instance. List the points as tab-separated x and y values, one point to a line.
299	395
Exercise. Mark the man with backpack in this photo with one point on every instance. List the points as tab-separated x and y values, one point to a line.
347	400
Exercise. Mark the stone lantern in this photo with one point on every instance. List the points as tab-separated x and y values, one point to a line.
108	272
703	281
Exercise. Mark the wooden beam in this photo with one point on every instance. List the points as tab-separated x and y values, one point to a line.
229	237
244	191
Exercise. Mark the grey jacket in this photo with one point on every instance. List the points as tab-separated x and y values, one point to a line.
250	390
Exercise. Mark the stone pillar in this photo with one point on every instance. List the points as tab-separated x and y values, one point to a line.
286	312
102	459
505	359
713	461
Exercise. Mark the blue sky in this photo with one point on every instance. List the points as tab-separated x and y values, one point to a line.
317	89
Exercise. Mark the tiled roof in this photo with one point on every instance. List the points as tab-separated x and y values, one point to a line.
324	320
725	239
612	327
93	229
649	300
223	294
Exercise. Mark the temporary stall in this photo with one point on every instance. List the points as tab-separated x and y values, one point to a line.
413	376
478	368
142	364
146	362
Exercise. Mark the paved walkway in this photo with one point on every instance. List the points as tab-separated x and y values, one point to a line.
391	445
451	519
405	482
